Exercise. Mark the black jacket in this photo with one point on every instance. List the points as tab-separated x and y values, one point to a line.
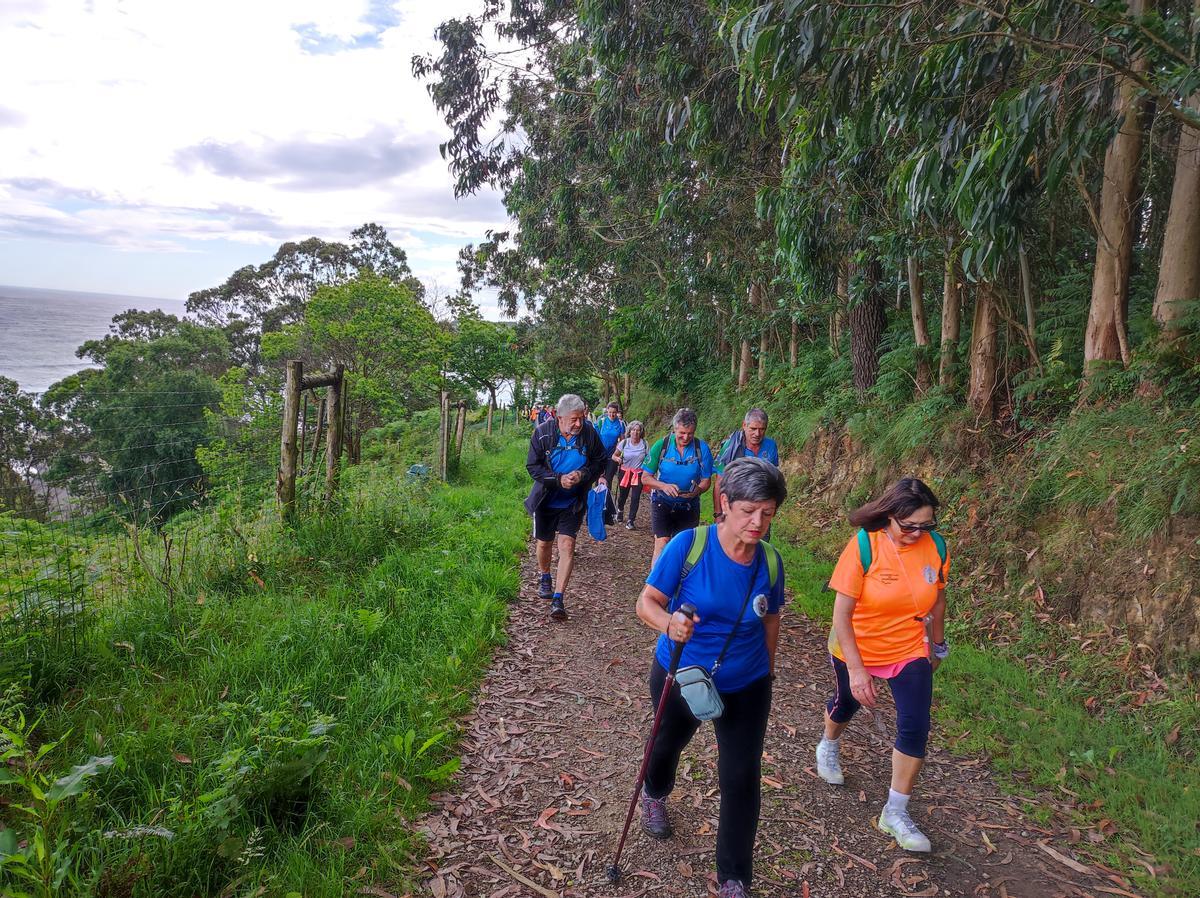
545	480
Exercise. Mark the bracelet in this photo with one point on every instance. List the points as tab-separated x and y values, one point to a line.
941	650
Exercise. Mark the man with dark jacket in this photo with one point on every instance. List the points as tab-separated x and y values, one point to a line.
566	458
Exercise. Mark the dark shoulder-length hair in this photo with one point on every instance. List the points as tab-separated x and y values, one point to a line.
902	499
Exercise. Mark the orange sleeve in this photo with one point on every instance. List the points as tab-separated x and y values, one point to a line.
848	573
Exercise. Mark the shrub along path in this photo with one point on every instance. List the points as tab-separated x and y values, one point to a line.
551	751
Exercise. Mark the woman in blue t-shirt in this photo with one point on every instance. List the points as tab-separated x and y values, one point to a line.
736	584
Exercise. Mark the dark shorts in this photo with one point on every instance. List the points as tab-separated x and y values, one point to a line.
667	520
549	521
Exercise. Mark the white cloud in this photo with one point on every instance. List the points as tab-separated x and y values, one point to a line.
147	123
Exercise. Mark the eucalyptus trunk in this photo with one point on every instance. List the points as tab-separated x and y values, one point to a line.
837	322
758	299
867	319
1106	337
916	297
951	322
1179	266
981	395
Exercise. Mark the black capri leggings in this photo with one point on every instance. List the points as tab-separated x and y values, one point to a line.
740	732
912	690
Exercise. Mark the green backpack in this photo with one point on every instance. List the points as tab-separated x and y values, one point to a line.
700	540
864	550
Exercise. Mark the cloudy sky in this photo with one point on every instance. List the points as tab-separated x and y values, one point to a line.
151	147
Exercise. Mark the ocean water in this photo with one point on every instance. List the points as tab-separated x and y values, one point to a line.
41	329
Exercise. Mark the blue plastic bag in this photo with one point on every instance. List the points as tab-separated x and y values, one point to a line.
597	502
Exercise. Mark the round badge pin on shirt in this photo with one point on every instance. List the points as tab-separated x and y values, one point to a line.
930	574
760	605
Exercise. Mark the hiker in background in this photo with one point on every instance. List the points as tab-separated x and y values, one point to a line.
736	584
611	429
678	469
544	414
565	460
890	582
630	454
750	440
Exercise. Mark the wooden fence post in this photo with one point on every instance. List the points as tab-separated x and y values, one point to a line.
460	428
285	483
333	448
444	434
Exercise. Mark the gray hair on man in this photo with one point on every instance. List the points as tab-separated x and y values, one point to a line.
569	404
755	414
685	417
751	479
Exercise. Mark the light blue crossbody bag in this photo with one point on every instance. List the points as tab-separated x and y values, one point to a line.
696	684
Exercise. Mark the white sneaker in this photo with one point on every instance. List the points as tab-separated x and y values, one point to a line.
829	764
900	827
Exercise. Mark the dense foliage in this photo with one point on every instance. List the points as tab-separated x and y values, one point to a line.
701	184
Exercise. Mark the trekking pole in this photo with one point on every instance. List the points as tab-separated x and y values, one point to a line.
614	872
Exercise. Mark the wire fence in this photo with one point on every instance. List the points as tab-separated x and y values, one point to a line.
116	511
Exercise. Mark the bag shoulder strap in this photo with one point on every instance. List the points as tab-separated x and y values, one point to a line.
773	562
699	541
695	550
758	557
864	549
940	542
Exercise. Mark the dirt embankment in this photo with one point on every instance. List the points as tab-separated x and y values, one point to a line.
1074	563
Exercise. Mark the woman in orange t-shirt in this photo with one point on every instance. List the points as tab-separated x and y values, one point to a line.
890	580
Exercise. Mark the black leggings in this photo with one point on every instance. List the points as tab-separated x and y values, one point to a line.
740	733
634	499
912	690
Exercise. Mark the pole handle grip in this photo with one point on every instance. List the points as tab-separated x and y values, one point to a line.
689	611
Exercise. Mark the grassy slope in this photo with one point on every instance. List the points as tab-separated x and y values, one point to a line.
1021	699
368	625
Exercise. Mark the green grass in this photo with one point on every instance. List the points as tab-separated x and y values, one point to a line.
1032	722
285	717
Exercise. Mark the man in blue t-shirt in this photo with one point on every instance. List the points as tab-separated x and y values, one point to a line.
565	460
752	441
611	428
678	469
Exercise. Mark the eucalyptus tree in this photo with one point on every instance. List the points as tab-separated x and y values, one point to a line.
629	167
981	115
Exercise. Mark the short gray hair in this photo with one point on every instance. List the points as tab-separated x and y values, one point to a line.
750	479
638	424
569	404
685	417
755	414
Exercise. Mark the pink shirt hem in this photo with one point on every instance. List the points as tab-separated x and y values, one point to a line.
887	671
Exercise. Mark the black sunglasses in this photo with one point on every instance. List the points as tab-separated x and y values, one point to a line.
916	528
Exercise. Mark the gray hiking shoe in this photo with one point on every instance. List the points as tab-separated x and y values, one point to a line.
733	888
655	822
558	608
829	764
545	586
900	827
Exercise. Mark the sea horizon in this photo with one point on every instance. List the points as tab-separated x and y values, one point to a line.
41	327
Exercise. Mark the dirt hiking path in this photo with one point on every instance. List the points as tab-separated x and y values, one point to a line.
551	752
